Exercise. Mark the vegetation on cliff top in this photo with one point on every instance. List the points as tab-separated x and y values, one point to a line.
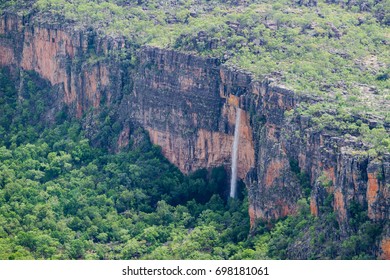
310	46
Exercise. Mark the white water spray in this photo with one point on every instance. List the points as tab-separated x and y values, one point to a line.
233	182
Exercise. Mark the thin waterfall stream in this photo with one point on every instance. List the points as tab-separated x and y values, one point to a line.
233	182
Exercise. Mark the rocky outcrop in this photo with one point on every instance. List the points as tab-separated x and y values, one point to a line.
59	56
188	106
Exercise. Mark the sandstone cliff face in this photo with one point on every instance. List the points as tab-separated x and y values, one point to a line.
332	164
174	96
56	55
188	106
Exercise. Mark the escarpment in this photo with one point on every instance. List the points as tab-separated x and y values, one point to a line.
176	99
188	106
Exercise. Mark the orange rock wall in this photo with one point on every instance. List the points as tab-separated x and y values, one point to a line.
7	56
51	53
372	193
210	149
339	205
183	112
54	54
385	246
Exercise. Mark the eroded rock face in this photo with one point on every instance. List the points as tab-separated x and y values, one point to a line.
56	55
334	166
175	97
188	106
9	37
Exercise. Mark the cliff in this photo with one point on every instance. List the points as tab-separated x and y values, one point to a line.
188	106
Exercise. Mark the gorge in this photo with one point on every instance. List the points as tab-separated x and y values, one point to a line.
205	114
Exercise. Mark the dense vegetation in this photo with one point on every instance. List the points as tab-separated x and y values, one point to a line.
62	198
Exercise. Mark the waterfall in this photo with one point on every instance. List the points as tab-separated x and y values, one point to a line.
233	182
